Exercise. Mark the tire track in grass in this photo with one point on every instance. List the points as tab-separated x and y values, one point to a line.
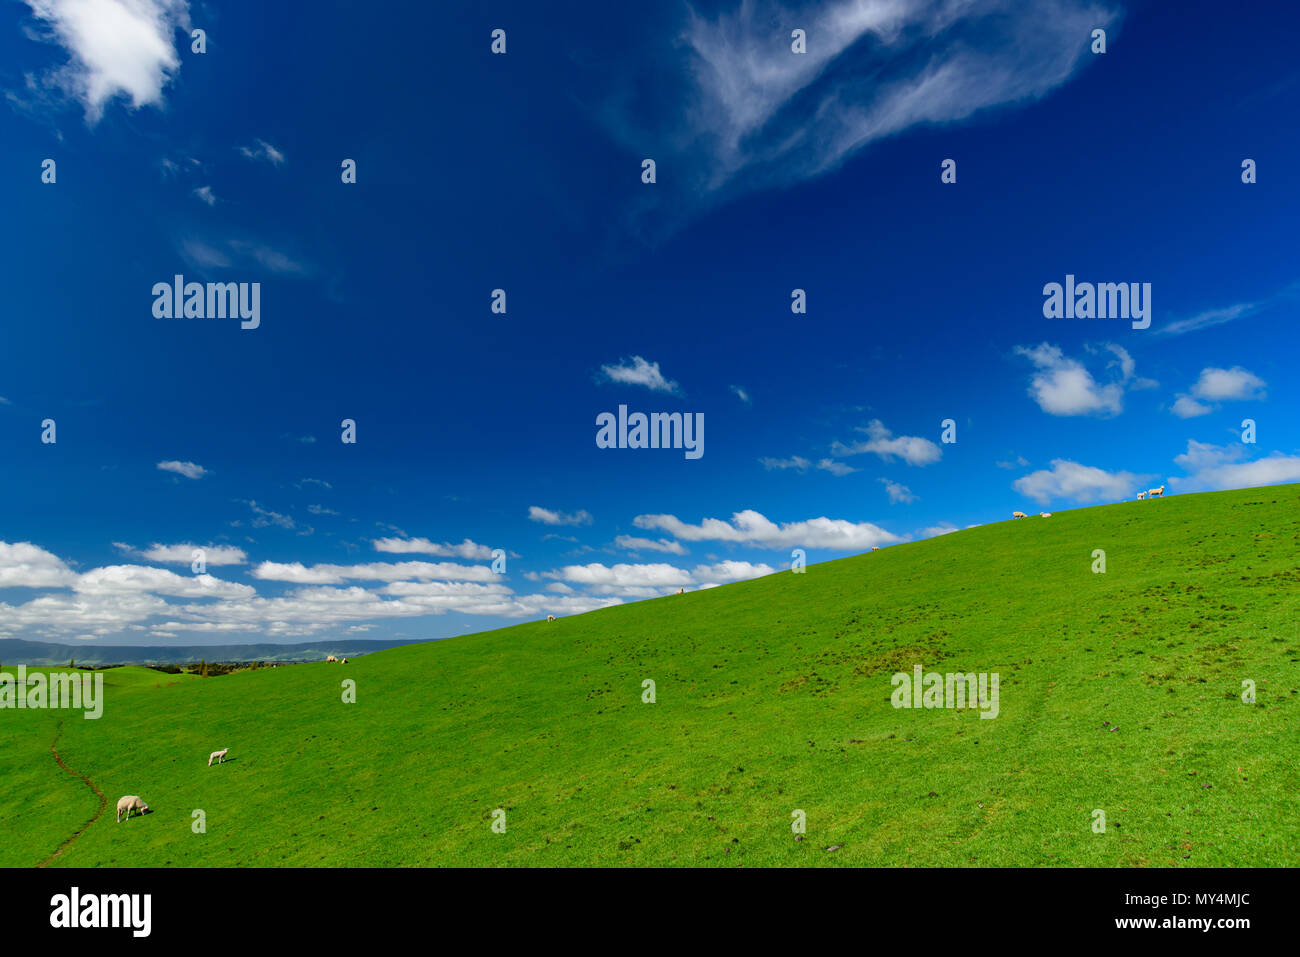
103	802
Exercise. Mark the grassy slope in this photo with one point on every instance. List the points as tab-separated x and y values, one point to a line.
772	695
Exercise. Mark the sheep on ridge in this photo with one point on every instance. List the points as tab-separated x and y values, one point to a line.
331	658
1019	515
550	618
1156	491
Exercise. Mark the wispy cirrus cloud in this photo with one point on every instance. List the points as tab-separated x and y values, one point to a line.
800	464
188	469
550	517
202	254
638	371
753	114
263	151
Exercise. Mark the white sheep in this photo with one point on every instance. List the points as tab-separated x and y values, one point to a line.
331	658
875	548
1141	496
128	804
1045	514
681	591
1156	491
1019	515
219	756
550	618
344	661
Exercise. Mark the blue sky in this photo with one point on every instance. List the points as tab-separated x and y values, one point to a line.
476	171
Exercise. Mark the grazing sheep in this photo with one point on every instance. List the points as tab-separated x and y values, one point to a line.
331	658
875	548
344	661
128	804
550	618
220	756
1156	491
1141	496
1045	514
1019	515
681	591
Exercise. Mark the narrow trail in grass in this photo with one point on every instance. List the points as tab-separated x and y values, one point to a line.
103	802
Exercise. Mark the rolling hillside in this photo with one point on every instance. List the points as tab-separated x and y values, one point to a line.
1119	691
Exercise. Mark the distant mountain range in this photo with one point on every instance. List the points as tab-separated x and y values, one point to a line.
16	651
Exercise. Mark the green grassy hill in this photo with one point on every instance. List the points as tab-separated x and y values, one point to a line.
772	695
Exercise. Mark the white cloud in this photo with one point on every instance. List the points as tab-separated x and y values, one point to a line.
205	193
1215	467
121	597
471	551
637	371
548	517
115	579
749	527
742	395
116	47
650	580
623	575
1071	481
912	449
24	565
1063	386
632	544
934	531
729	571
897	493
184	554
188	469
1188	408
374	571
99	614
1220	385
